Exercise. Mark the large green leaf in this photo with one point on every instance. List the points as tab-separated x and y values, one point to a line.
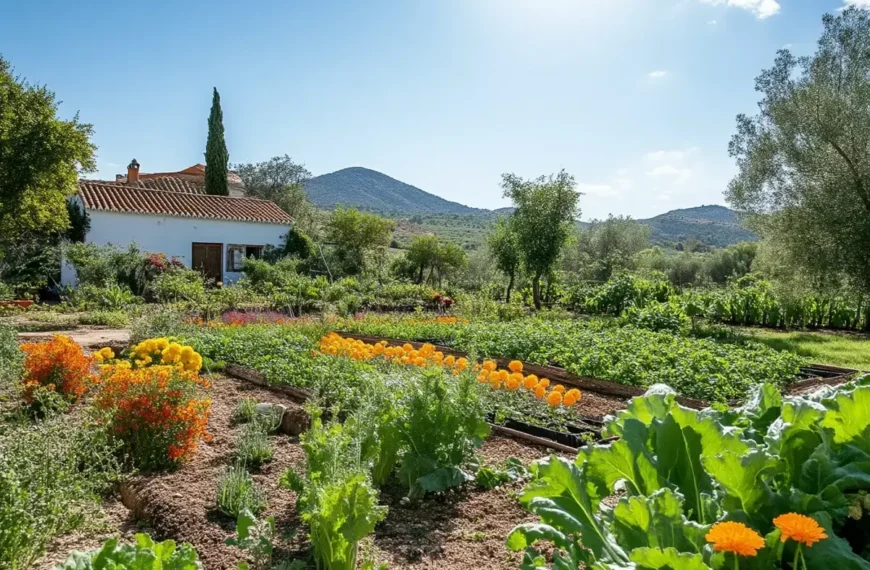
742	477
656	521
655	404
832	552
627	461
667	559
562	497
848	416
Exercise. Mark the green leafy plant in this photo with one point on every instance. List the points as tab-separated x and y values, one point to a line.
145	554
491	477
114	319
236	491
442	426
256	536
253	448
245	411
684	471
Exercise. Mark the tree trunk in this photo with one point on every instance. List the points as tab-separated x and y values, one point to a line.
420	276
536	291
510	286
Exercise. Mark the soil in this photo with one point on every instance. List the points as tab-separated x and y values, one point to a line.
464	528
88	338
596	406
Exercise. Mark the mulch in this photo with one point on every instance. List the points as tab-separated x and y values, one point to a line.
464	528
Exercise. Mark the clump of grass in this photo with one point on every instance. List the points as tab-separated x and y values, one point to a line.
114	319
245	411
253	447
236	491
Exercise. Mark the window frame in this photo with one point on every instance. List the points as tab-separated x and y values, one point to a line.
231	266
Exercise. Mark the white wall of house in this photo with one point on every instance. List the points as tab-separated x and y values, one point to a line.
175	236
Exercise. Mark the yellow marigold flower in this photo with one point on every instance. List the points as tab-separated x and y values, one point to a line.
735	537
484	373
799	528
540	391
530	382
489	365
161	343
495	381
503	375
544	382
517	377
512	384
482	378
554	398
450	360
98	357
559	388
515	366
462	363
407	347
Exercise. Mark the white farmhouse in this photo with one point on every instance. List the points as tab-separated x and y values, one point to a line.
171	214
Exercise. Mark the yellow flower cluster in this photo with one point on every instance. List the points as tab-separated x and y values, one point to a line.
513	379
156	352
336	345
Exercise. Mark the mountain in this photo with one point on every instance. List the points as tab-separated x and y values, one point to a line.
372	190
711	225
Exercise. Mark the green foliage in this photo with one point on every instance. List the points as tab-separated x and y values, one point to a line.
492	477
428	253
282	181
101	265
79	222
442	424
354	235
253	448
503	244
41	159
545	211
52	474
682	470
608	246
237	491
217	157
298	244
114	319
178	285
245	411
803	165
144	555
255	537
110	297
11	358
657	317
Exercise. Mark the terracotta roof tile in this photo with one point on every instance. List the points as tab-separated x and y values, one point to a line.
109	197
170	184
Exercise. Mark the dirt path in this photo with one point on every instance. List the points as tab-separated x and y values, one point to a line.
87	338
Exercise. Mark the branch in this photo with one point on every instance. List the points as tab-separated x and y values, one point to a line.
859	183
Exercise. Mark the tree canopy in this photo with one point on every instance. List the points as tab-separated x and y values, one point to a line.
504	246
217	157
543	220
282	181
354	234
804	160
611	245
41	156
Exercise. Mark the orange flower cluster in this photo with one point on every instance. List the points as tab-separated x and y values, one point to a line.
450	320
58	365
513	379
336	345
158	412
741	540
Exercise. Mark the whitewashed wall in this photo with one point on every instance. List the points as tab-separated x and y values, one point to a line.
175	236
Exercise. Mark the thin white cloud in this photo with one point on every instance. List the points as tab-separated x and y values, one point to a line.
712	23
863	4
657	74
761	8
671	172
600	190
671	155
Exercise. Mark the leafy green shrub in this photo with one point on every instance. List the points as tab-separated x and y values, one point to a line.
11	358
657	317
245	411
114	319
144	554
336	497
236	492
101	265
681	471
178	285
110	296
443	423
52	474
253	447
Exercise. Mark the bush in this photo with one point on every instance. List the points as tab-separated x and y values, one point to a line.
657	317
51	477
245	411
114	319
57	366
102	265
144	554
178	285
236	492
253	447
11	358
109	296
158	413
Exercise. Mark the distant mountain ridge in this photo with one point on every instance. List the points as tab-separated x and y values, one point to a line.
371	190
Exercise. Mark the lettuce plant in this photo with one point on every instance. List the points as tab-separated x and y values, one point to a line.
679	472
145	554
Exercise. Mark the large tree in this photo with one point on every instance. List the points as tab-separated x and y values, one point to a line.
41	157
804	160
544	216
356	234
504	246
217	157
282	181
610	245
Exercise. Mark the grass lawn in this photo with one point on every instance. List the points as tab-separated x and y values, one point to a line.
836	349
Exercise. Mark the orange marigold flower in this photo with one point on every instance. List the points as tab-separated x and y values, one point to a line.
540	391
449	360
482	377
559	388
554	398
735	537
530	382
571	397
544	382
512	384
489	365
799	528
515	366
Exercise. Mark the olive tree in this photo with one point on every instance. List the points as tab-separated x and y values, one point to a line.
503	244
804	160
543	219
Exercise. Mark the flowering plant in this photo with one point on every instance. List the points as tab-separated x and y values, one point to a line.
58	366
158	412
765	486
153	352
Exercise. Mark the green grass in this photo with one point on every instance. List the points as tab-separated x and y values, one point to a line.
835	349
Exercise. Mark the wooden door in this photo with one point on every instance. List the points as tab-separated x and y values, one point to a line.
208	260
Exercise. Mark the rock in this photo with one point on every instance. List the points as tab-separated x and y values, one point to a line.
266	408
295	421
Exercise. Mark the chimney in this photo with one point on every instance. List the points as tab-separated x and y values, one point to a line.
133	172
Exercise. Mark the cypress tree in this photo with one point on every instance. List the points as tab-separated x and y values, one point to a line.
216	155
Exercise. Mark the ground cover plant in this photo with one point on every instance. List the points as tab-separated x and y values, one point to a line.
145	553
777	483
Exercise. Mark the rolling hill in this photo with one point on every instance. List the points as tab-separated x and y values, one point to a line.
419	212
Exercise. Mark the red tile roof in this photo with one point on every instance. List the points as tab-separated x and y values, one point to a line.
109	197
169	184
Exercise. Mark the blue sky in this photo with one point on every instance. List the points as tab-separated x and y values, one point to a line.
635	98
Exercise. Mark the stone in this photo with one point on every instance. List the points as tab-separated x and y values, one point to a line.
295	421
